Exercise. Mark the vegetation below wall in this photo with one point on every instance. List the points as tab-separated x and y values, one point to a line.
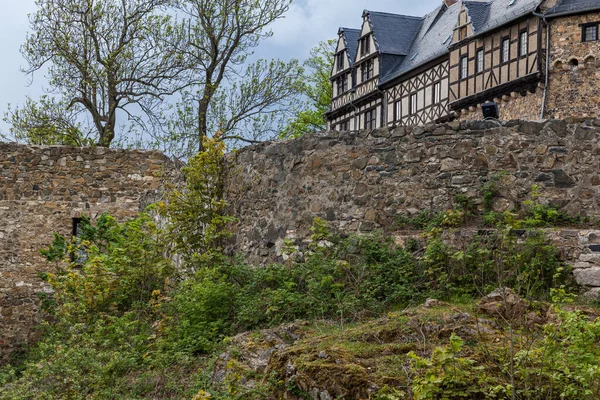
342	319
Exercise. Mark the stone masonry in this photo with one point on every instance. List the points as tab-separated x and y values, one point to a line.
41	190
574	89
357	181
362	181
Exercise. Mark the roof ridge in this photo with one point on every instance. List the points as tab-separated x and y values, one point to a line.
483	3
393	15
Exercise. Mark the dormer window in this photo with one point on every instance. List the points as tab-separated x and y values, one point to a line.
340	61
365	46
366	70
342	84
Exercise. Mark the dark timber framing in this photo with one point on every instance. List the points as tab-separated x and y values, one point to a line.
498	77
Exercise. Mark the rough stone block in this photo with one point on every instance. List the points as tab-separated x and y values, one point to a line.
588	276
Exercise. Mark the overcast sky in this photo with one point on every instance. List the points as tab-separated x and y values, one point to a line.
306	23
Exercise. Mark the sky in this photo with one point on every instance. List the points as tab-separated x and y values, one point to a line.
305	24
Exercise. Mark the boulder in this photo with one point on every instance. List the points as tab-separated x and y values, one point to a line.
587	276
505	303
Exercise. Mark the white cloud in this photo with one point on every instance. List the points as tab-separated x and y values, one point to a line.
310	21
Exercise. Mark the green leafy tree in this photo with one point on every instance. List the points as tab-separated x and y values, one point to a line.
228	98
196	211
46	121
316	87
105	58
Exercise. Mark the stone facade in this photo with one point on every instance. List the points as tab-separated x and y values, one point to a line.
361	181
515	106
41	190
574	78
574	88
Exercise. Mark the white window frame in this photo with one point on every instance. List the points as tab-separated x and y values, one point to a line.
480	60
437	92
523	43
464	67
505	50
413	104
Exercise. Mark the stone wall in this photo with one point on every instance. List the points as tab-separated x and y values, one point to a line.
515	106
41	190
574	88
362	181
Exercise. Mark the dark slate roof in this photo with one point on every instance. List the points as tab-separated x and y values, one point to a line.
431	42
566	7
479	12
351	38
501	12
393	34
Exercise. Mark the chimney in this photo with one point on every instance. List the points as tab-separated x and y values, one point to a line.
448	3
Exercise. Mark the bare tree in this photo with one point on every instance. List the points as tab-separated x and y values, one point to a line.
106	57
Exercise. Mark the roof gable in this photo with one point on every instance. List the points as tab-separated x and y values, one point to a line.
479	13
393	34
350	37
500	12
431	41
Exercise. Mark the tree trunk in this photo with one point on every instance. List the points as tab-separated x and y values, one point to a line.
202	120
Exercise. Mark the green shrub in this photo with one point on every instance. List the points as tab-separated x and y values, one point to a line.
447	375
203	308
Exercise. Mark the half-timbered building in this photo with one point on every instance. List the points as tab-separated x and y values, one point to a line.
408	70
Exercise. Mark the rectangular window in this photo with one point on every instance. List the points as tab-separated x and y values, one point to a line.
413	103
464	67
523	43
480	56
365	46
366	70
505	50
344	83
397	110
590	32
344	126
370	119
437	93
79	255
340	61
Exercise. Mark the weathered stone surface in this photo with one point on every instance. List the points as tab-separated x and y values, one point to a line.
505	303
41	190
593	294
588	276
364	183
